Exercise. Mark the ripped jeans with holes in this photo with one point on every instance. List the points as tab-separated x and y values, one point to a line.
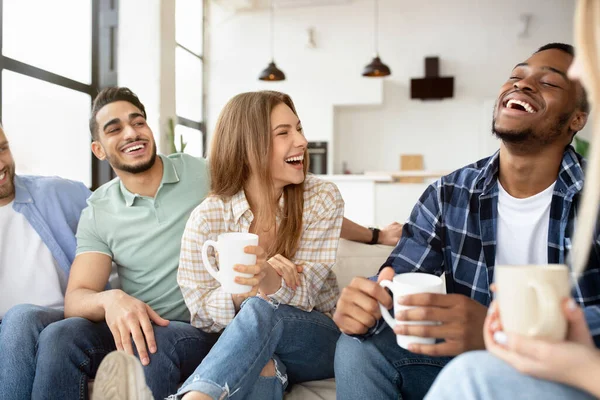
301	344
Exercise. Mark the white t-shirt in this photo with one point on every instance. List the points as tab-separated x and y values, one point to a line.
28	272
522	228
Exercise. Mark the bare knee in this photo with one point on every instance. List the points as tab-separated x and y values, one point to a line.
196	396
269	369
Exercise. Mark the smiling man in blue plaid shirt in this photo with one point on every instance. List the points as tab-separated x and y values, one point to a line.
516	207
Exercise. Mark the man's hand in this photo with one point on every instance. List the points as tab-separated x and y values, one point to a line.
127	318
390	235
358	306
461	323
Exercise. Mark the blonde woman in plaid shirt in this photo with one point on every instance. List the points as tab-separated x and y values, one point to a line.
282	331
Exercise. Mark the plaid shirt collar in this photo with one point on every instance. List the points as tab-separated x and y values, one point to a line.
570	177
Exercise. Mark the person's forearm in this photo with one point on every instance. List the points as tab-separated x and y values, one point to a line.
88	303
355	232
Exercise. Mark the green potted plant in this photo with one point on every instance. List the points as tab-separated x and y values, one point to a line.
171	138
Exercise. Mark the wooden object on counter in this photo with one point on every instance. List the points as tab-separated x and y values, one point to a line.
397	175
411	162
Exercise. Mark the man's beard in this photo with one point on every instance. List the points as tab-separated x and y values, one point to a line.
529	135
8	189
133	169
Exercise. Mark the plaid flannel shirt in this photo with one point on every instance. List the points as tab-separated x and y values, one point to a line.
452	231
210	307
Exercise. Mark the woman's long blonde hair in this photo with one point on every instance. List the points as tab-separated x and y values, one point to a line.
241	144
587	41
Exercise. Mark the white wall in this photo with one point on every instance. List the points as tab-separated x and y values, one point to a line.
373	121
146	59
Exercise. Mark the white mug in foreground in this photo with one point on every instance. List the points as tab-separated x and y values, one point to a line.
405	284
530	299
230	249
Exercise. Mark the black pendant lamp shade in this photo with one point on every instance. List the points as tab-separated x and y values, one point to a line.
376	68
272	73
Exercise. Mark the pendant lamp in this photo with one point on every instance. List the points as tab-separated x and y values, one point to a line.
272	73
376	67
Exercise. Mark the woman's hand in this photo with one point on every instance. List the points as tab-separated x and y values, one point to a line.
258	270
574	361
289	271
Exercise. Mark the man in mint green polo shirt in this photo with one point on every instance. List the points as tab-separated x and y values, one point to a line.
137	221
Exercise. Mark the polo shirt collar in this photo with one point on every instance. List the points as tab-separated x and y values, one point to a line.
170	175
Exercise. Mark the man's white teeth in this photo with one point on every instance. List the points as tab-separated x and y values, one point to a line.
2	176
134	148
523	104
292	159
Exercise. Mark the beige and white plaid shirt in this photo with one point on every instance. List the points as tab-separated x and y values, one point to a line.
210	307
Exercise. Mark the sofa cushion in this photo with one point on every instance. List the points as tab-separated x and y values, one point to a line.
359	259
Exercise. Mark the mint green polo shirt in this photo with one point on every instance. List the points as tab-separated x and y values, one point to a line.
142	234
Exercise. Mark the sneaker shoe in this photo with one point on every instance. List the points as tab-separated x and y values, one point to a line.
120	377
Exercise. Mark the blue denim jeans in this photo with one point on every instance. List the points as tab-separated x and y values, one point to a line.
377	368
19	333
301	343
70	351
480	375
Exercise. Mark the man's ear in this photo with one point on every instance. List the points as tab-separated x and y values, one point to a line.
98	150
579	121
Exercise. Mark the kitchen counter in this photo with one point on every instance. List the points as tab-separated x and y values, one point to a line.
356	178
377	199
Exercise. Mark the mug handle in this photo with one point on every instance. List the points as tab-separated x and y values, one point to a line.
211	270
548	312
384	312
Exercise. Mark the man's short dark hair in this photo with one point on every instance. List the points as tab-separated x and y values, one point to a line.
110	95
584	105
567	48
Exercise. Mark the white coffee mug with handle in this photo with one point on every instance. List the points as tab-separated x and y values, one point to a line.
405	284
230	252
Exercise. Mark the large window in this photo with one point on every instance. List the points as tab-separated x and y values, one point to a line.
189	75
47	81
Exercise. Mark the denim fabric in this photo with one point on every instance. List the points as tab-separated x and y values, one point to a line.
71	350
19	333
480	375
377	368
302	344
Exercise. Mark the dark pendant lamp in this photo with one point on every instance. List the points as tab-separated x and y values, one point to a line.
376	68
272	73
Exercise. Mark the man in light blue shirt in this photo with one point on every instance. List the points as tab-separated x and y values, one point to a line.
38	220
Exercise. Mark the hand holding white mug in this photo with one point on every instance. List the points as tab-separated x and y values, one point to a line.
241	261
574	361
252	275
406	284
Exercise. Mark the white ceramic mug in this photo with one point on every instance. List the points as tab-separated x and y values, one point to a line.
530	299
405	284
230	251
